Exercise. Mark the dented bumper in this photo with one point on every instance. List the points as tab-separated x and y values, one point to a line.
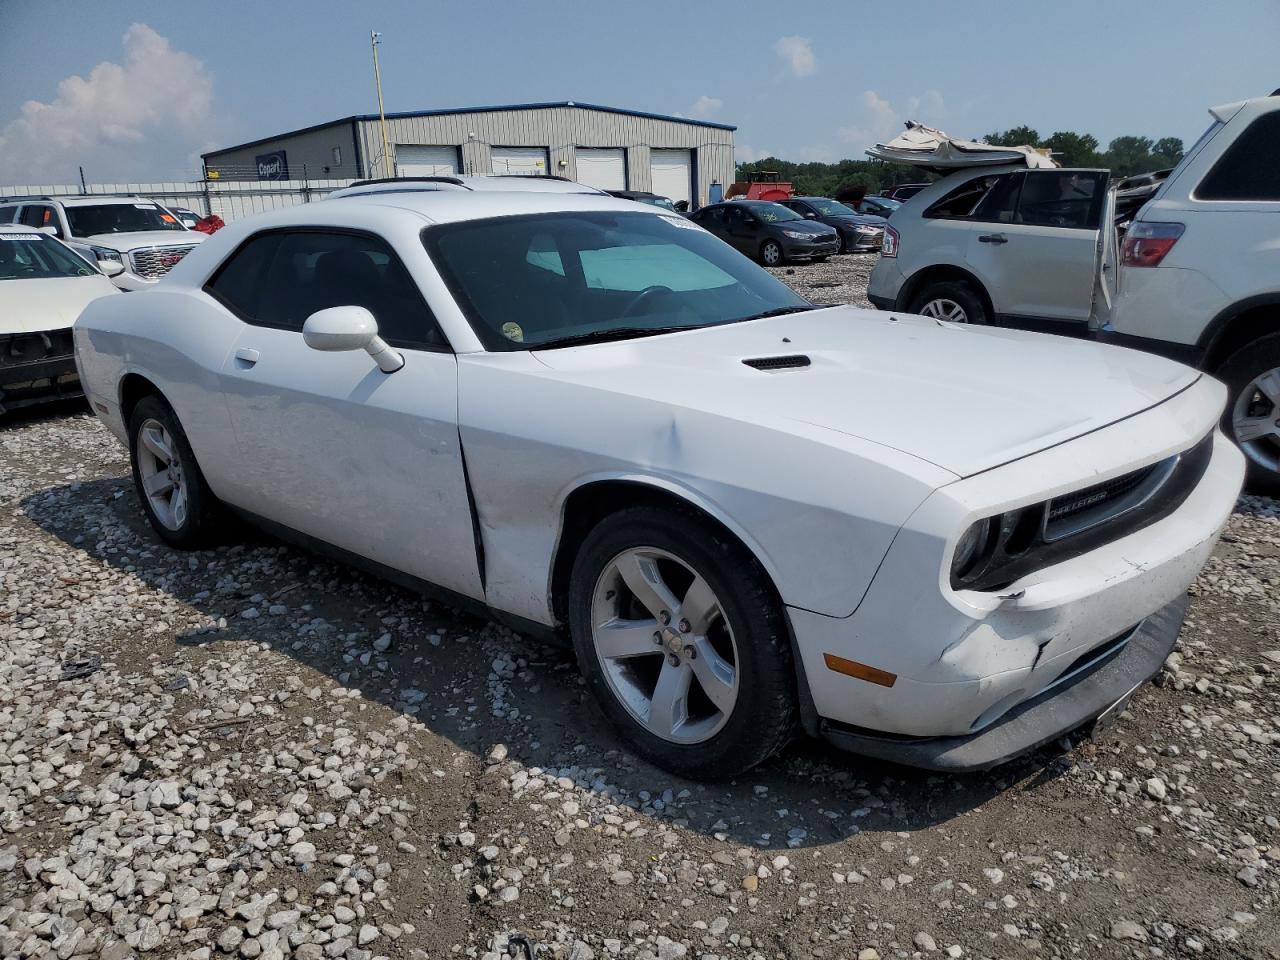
36	368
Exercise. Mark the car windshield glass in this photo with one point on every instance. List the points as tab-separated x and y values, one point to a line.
89	221
830	208
657	202
34	256
772	212
533	281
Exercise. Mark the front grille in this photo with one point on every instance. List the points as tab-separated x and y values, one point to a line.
20	349
152	263
1081	509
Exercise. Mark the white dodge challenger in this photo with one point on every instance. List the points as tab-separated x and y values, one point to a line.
935	544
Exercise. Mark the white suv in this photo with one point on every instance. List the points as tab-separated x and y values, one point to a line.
1000	244
1199	274
145	238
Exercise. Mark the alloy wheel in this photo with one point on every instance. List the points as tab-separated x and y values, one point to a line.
944	309
163	479
1255	420
664	645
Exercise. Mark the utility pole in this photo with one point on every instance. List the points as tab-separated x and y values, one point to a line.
376	38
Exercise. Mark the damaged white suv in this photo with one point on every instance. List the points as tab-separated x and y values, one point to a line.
586	417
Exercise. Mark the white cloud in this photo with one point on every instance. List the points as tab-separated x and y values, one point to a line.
705	106
797	53
137	120
879	120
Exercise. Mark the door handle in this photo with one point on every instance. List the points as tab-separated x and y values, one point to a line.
993	238
247	354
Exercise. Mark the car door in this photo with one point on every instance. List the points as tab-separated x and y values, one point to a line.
742	230
1038	254
328	444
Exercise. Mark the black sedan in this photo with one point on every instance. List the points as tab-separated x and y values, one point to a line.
859	232
768	232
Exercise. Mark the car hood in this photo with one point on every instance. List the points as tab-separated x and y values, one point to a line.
29	306
963	398
146	238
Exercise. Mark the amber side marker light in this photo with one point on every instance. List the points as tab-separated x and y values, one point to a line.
852	668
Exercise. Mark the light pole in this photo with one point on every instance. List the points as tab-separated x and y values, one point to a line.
376	39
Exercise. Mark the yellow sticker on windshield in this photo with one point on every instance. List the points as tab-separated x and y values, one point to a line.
512	331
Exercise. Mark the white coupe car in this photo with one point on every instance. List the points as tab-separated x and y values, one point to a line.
937	544
43	287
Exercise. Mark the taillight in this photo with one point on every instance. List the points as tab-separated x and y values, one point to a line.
1146	244
889	244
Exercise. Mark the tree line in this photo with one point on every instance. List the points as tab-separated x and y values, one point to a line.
1124	157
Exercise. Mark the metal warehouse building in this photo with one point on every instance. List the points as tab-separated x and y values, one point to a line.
602	146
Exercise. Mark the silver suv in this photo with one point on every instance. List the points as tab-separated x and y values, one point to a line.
145	238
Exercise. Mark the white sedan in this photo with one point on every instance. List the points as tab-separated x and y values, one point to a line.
43	287
942	545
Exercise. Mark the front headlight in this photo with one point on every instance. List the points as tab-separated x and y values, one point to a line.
106	253
992	544
797	235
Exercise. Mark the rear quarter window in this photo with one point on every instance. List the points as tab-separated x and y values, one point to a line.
1250	167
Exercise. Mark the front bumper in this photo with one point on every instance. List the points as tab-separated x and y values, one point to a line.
1097	688
37	368
803	249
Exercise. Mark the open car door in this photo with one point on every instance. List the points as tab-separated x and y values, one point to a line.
1107	278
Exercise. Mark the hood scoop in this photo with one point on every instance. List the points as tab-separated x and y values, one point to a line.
786	362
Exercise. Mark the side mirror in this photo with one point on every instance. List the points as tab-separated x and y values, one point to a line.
339	329
112	268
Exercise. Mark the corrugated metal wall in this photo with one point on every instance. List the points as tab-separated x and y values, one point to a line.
309	154
560	130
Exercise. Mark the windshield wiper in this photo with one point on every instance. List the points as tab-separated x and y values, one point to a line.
604	336
778	312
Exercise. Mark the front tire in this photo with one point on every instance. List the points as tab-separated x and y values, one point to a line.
771	254
951	300
682	642
1252	416
175	497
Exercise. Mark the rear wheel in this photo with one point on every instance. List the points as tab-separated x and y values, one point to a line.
682	641
1252	417
951	300
179	504
771	253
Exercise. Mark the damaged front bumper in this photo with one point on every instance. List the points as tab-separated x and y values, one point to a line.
1097	689
36	368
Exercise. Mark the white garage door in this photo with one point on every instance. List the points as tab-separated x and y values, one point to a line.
527	161
415	160
672	174
604	169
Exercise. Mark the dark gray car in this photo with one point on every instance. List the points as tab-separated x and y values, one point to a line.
859	232
768	232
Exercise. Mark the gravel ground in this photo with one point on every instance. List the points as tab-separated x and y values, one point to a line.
251	752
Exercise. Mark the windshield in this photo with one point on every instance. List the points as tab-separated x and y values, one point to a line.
830	208
530	281
884	203
34	256
89	221
771	212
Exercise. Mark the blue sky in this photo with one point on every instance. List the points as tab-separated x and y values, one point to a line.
137	90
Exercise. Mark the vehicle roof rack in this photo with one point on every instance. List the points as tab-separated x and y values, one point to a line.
369	183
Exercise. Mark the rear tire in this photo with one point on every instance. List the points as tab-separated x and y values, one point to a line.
771	254
951	300
1252	416
725	650
175	497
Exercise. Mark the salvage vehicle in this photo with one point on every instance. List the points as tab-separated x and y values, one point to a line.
768	232
1003	244
43	288
859	233
139	234
593	419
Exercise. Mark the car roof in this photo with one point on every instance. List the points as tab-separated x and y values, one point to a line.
96	201
498	182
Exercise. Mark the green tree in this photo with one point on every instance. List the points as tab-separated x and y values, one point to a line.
1167	152
1126	156
1073	149
1014	137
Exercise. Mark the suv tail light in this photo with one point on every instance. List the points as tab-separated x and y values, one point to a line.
889	244
1146	244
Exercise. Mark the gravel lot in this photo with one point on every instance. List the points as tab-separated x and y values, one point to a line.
251	752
